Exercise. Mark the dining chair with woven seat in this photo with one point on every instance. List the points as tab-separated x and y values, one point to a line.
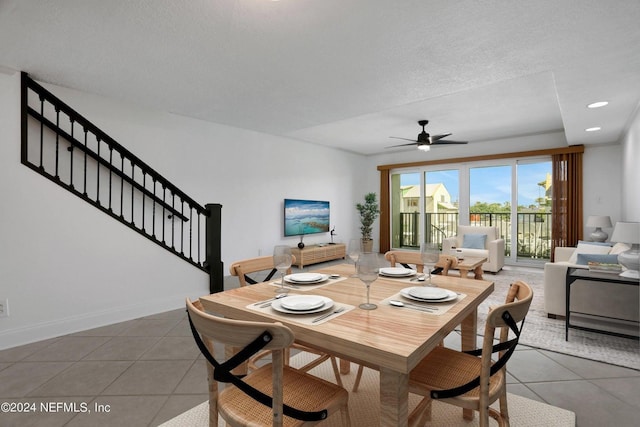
405	259
272	395
444	264
409	258
472	380
242	270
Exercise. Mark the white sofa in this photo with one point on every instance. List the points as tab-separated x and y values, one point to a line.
493	248
599	305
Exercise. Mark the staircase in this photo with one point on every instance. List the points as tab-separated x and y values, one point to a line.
65	147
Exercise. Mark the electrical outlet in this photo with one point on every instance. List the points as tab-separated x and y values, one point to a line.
4	308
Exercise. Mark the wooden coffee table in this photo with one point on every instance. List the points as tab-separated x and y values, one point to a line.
468	264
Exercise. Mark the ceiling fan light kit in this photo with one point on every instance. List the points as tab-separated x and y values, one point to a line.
424	141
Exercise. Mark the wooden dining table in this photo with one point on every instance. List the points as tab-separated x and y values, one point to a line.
392	340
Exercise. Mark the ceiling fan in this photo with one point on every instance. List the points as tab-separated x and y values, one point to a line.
425	141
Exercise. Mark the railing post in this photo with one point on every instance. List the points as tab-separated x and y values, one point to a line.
213	261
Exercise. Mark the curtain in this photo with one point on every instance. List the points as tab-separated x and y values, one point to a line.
385	218
566	218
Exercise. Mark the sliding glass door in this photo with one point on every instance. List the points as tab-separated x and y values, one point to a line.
428	204
441	204
405	210
534	211
490	194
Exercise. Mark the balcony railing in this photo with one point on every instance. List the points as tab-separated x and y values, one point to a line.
534	230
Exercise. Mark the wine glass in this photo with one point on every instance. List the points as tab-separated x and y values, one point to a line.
282	262
354	251
430	254
367	269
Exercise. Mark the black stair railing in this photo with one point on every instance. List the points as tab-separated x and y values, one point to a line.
65	147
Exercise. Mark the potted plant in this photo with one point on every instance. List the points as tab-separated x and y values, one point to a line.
369	211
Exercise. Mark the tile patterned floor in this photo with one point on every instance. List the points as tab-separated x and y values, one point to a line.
146	371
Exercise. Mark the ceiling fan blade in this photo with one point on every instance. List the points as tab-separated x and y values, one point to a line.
406	139
437	137
444	142
424	139
402	145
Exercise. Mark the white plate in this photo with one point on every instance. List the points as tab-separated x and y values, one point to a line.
428	292
306	278
302	302
450	296
277	305
397	272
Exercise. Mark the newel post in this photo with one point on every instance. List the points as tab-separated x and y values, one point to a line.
213	260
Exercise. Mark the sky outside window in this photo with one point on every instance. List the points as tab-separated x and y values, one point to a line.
530	178
491	184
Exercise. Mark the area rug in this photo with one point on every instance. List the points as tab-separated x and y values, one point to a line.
549	334
363	406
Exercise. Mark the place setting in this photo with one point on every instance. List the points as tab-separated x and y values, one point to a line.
307	309
397	272
307	281
429	299
407	275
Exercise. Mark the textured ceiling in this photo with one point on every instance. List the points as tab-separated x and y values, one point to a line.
345	73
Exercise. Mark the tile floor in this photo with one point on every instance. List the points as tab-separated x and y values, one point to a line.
145	371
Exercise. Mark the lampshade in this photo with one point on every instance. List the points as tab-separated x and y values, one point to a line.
599	221
628	232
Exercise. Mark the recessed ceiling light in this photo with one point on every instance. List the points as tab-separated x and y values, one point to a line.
593	129
597	104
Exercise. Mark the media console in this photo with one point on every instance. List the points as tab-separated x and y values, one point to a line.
314	254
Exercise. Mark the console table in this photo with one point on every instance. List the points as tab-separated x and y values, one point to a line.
313	254
574	274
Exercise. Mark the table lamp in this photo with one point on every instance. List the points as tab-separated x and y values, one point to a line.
599	222
628	232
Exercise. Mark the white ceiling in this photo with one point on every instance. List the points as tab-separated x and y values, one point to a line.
345	73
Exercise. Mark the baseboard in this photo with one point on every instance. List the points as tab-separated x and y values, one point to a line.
72	324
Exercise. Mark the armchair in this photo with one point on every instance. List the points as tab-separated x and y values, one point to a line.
490	247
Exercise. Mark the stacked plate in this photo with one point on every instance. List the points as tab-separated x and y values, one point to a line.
306	278
428	294
397	272
302	304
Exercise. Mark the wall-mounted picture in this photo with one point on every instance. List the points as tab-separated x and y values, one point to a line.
305	217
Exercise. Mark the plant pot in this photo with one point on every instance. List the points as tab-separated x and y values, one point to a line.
367	245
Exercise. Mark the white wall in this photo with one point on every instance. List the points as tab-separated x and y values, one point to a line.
602	190
65	266
631	171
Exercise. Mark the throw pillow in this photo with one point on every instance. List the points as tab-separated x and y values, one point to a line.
584	259
587	242
474	241
589	248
